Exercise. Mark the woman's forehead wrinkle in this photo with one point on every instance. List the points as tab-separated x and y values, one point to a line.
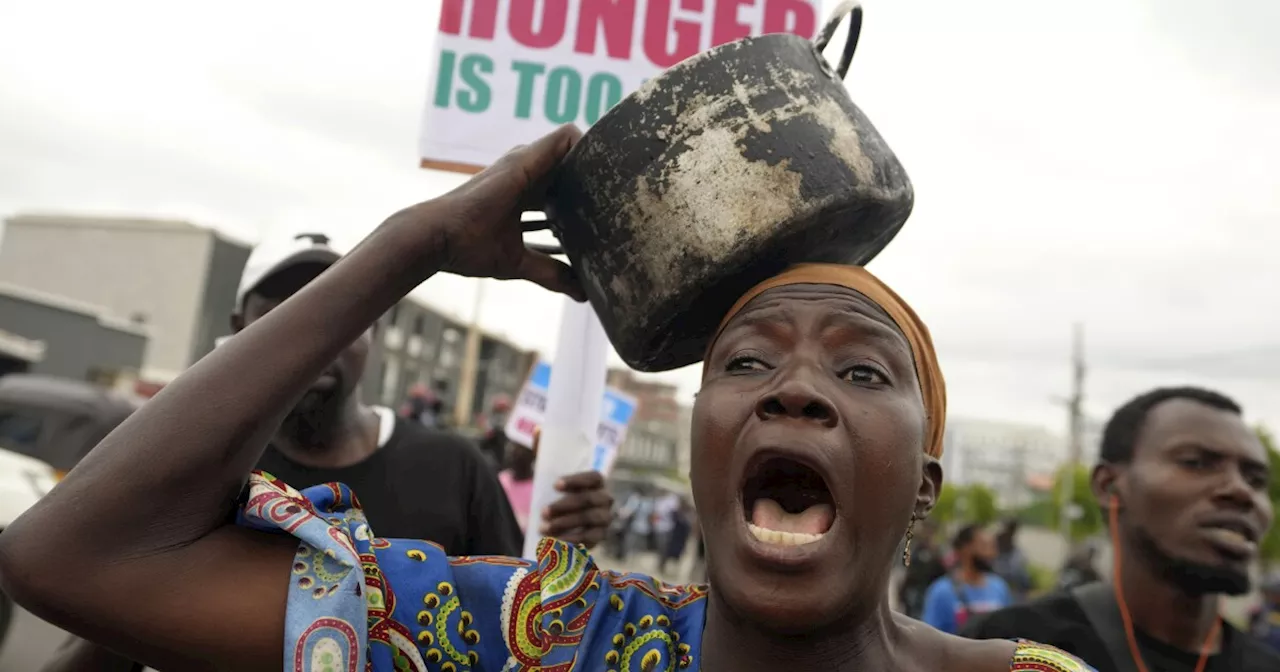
853	306
874	324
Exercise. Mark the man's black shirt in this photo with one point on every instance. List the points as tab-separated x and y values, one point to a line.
422	484
1059	621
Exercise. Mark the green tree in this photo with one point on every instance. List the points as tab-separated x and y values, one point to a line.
1039	513
1271	543
1089	521
966	504
981	504
944	511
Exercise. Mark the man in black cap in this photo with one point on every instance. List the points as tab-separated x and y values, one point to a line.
1184	481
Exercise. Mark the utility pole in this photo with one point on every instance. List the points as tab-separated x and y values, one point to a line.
463	407
1075	430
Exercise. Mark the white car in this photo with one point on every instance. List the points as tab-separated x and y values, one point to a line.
23	481
46	426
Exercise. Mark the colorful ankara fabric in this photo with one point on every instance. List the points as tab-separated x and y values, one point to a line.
360	603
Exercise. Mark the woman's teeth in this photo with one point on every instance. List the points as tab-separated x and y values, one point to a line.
782	538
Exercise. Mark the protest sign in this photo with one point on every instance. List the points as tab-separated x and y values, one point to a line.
506	72
527	415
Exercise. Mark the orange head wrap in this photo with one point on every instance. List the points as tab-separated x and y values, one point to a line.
932	388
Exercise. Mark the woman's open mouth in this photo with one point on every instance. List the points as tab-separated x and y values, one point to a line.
786	503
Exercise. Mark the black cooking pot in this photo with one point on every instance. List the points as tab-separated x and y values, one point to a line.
715	175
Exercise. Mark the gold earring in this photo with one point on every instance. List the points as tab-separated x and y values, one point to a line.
906	548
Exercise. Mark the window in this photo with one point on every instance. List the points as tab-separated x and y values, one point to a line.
448	357
390	380
394	338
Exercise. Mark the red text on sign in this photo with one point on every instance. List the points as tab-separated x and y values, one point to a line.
666	39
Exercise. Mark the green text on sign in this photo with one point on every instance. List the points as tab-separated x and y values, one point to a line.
567	95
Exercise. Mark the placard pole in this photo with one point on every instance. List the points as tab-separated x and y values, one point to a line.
569	435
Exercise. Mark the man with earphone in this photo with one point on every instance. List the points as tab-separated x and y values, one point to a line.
1183	481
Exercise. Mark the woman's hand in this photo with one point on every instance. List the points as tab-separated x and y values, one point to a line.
479	222
583	512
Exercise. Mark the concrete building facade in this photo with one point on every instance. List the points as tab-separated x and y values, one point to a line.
657	440
177	278
55	336
416	343
1014	460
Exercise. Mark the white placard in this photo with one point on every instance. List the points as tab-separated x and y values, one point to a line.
506	72
529	414
574	397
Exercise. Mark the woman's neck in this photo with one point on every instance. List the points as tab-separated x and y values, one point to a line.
862	642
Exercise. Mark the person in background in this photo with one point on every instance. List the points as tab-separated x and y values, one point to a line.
1264	622
616	537
970	588
925	568
1184	483
331	436
517	481
666	508
639	518
1011	565
676	538
441	410
420	406
494	443
1079	568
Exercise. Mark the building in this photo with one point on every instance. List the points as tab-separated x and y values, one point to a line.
1014	460
18	354
55	336
416	343
684	449
658	439
176	278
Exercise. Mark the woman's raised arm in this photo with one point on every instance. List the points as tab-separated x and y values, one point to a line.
136	548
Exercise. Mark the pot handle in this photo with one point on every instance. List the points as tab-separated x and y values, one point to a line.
552	250
539	225
854	9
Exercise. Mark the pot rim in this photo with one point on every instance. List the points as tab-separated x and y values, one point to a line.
693	61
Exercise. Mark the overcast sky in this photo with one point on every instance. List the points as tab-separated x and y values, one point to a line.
1104	161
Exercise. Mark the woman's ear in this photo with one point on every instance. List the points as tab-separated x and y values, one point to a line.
930	486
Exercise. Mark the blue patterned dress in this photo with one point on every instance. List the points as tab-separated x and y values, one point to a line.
360	603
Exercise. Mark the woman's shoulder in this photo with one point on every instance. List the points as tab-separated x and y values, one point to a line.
1005	655
1032	656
